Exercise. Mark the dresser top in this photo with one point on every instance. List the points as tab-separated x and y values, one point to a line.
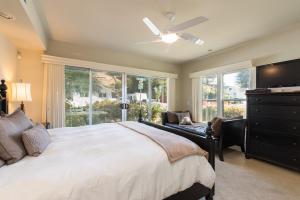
252	92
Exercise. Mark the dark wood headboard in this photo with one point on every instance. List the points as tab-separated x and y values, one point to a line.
3	97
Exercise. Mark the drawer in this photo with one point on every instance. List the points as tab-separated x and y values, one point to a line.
280	112
275	153
284	126
274	99
285	141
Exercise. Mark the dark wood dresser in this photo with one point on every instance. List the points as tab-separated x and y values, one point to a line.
274	128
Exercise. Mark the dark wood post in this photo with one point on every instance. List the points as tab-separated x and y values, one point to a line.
211	157
3	93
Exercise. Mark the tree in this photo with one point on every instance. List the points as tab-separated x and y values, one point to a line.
243	78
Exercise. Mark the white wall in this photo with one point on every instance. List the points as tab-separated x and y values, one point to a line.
108	56
279	46
8	63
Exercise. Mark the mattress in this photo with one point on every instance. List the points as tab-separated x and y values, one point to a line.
105	161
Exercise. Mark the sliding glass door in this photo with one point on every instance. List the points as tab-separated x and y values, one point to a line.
106	97
137	97
159	98
93	97
77	97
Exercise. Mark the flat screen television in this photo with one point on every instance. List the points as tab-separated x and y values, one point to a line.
282	74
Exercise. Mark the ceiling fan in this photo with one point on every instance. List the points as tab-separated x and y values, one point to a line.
173	33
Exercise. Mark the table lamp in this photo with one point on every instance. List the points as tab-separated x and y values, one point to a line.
20	93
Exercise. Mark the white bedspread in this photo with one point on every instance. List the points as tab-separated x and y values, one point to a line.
101	162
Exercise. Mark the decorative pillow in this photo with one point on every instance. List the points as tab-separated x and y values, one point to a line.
186	121
11	129
172	117
36	140
1	163
216	125
183	118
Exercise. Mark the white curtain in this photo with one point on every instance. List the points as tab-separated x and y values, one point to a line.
196	99
171	94
54	95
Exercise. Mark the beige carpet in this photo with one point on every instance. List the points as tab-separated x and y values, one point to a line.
242	179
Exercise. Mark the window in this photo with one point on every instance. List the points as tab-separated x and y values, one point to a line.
223	94
234	99
94	97
209	97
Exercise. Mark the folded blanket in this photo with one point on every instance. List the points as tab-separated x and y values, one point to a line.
175	146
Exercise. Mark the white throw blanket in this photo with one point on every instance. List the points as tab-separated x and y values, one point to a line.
101	162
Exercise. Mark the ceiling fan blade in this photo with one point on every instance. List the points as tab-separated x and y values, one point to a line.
148	42
187	24
191	38
151	26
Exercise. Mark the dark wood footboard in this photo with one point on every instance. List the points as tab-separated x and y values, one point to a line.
207	143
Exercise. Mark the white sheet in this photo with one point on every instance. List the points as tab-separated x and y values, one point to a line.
101	162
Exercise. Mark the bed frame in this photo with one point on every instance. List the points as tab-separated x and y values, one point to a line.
196	191
3	98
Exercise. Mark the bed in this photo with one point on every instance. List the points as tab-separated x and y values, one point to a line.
108	161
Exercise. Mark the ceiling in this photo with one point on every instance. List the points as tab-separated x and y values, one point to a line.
117	24
20	30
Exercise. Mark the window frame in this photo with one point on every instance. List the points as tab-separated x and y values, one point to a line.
219	72
125	75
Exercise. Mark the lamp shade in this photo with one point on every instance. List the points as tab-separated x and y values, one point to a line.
21	92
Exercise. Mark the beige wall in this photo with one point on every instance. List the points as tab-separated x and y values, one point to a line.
30	70
8	63
280	46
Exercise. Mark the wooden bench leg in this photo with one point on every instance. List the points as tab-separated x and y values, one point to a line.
220	152
243	148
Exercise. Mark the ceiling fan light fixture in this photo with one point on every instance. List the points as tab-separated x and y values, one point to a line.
169	38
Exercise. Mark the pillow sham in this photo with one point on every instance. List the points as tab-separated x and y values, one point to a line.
184	118
172	117
216	125
11	129
36	140
1	163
